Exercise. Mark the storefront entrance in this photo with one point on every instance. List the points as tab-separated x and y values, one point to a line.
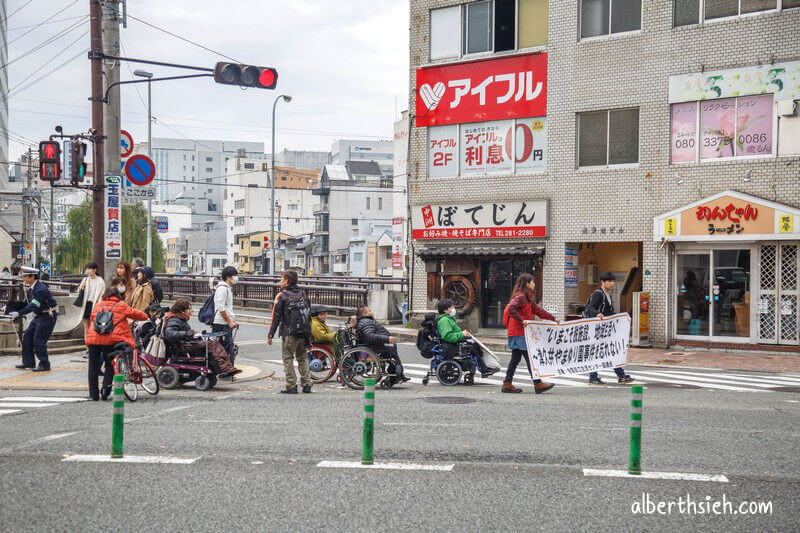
499	276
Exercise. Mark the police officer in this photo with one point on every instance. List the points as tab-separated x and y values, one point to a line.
42	304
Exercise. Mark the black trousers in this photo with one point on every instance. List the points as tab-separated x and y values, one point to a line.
35	340
227	340
516	355
96	352
394	366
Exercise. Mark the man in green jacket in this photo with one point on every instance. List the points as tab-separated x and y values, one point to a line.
320	331
452	335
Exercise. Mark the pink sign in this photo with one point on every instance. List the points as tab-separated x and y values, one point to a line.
718	124
754	120
684	132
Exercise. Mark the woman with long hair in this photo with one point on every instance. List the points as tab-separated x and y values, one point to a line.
522	307
124	271
93	287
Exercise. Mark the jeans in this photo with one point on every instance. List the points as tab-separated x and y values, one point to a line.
97	355
618	371
516	355
227	340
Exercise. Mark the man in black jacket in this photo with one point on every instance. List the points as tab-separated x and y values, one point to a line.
600	305
378	339
291	311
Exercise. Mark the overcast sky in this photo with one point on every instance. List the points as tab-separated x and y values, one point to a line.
345	64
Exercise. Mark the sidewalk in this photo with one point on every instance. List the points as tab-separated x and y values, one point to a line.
70	373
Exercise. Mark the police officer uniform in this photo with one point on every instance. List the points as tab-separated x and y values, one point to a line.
42	304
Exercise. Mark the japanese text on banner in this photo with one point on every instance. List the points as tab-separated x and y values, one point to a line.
577	347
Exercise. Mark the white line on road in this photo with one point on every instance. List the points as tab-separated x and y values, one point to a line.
718	478
154	459
40	399
385	466
26	404
8	411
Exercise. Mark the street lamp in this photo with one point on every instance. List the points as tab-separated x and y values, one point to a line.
148	75
286	99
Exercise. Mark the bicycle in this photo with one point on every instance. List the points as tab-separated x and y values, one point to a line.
137	370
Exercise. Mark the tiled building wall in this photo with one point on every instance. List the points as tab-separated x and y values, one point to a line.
630	70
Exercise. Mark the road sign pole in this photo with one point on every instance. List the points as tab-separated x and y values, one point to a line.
149	155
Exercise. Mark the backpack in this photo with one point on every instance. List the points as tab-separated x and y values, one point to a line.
603	307
104	320
207	312
297	316
428	342
158	292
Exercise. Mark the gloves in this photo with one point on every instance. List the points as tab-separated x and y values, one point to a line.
14	315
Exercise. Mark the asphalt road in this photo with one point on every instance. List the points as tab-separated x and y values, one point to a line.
517	460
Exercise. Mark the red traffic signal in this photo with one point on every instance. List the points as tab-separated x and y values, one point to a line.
246	75
49	160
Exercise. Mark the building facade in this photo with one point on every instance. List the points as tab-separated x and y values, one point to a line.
657	140
382	152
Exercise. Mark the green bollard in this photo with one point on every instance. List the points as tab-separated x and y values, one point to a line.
118	418
635	463
369	421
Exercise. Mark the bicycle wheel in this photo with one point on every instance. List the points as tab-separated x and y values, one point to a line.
128	386
358	364
149	381
322	360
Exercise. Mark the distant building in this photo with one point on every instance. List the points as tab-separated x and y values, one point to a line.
371	255
253	252
302	159
382	152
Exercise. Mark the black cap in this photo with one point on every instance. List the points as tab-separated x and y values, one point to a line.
317	309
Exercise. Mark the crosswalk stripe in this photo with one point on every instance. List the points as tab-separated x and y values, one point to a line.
782	380
8	411
25	404
654	376
722	378
707	381
497	381
41	399
522	375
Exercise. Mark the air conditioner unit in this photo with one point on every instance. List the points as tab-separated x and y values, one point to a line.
591	274
786	107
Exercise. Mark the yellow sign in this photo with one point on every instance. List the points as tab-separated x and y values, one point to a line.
785	223
671	226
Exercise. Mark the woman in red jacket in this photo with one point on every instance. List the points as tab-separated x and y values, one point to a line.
521	308
101	344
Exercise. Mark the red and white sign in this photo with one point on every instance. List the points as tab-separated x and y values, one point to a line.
498	220
125	144
511	87
397	243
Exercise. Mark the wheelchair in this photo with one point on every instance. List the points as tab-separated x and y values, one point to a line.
449	363
360	362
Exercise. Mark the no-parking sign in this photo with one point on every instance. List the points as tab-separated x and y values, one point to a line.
139	173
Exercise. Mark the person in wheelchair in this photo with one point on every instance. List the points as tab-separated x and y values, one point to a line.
320	332
456	341
180	336
377	338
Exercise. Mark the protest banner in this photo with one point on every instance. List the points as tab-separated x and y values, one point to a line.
578	346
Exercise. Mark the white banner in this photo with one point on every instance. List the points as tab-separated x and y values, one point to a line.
578	346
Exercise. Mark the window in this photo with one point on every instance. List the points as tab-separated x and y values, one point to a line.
209	159
249	166
728	127
368	202
255	243
192	158
354	221
695	11
380	203
608	137
184	158
478	27
358	257
293	207
488	26
209	169
283	178
388	253
603	17
238	221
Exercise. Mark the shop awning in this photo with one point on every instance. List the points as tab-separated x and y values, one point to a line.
429	250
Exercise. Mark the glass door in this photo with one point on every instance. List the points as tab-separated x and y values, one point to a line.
730	293
693	297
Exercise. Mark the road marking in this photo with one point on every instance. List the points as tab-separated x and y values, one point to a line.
718	478
153	459
40	399
779	380
8	411
707	382
645	378
57	436
26	404
385	466
720	378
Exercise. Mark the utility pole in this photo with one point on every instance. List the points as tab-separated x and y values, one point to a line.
98	204
111	117
51	231
26	207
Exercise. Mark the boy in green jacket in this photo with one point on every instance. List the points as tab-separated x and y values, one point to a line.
452	335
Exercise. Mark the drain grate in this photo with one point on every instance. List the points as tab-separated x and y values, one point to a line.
671	386
450	399
786	389
668	361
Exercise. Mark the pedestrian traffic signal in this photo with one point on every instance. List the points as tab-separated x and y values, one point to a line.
49	161
78	170
246	75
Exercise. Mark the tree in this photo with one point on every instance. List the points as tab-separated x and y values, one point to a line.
73	252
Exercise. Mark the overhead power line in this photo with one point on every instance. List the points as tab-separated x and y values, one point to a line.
43	76
51	17
46	63
39	46
45	23
16	10
182	38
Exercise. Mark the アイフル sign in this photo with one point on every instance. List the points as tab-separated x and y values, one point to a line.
497	220
506	88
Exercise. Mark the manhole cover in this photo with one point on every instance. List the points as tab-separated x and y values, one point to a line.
676	353
450	399
671	386
786	389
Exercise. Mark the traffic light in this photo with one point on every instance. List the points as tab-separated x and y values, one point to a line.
246	75
49	161
78	170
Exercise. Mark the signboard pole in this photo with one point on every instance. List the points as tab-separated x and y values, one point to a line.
150	156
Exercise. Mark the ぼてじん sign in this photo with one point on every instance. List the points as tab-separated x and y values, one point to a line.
498	220
512	87
113	217
577	347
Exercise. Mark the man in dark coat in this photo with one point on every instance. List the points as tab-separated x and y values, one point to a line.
43	306
378	339
292	300
600	305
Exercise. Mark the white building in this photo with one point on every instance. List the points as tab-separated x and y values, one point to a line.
246	206
382	152
178	217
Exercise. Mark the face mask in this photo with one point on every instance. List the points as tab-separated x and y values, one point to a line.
452	312
121	288
235	279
